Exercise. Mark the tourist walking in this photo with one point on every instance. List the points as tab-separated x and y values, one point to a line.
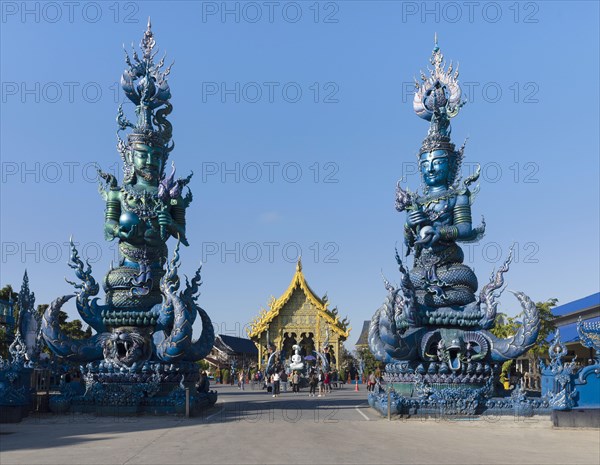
284	380
327	382
276	384
371	382
321	379
241	380
295	382
203	383
312	383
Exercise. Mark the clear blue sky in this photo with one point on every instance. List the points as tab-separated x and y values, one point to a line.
530	70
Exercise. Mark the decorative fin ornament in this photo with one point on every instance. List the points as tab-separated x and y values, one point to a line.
589	334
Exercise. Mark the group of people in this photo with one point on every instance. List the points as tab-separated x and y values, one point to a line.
371	381
279	381
275	381
317	379
323	380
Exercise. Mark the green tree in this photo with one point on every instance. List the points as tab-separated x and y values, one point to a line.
41	309
505	326
225	374
73	329
346	357
203	365
3	343
7	293
371	364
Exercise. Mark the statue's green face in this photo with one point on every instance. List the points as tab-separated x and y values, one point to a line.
147	162
435	168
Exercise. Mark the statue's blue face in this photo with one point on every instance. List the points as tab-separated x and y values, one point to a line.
435	168
147	162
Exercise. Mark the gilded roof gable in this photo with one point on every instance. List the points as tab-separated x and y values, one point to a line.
265	317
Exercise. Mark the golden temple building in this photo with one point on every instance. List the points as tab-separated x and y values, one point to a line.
300	317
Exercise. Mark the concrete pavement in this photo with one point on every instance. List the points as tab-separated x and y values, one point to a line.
253	427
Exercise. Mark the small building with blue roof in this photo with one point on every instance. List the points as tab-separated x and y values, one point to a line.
567	315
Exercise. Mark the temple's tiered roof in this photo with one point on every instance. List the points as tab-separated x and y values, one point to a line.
264	319
363	339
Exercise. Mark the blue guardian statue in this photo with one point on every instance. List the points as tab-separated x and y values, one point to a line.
143	354
434	329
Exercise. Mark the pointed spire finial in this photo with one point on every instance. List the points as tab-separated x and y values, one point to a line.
299	264
26	298
147	43
437	100
145	85
435	41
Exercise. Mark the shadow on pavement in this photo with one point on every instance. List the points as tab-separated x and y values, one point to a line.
47	431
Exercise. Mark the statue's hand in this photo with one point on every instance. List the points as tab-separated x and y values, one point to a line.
152	238
132	234
165	220
428	236
416	218
435	238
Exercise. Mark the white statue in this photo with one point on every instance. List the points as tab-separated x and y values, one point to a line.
297	363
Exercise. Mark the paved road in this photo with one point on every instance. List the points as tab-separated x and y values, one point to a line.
252	427
258	406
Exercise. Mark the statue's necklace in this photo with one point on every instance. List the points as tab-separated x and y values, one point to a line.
141	202
436	198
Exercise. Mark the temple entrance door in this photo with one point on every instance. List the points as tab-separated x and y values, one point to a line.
289	340
331	356
307	343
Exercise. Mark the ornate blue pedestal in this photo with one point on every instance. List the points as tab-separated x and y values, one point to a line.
153	390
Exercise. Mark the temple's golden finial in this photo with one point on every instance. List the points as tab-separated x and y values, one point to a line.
299	264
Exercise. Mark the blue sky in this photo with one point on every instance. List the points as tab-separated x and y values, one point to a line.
297	122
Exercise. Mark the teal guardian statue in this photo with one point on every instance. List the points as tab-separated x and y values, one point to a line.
144	329
434	329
